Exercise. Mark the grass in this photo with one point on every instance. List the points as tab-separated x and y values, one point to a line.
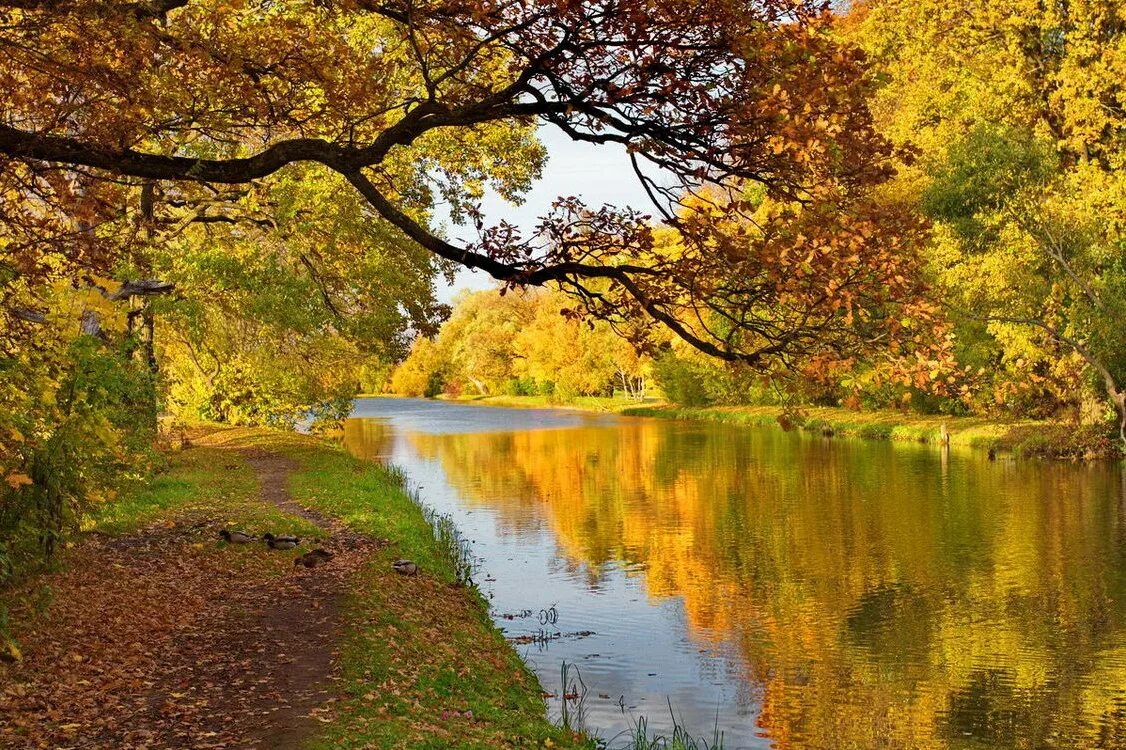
423	666
641	739
873	425
204	482
1020	437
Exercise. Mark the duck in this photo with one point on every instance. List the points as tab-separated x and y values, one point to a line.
314	558
236	537
281	542
405	567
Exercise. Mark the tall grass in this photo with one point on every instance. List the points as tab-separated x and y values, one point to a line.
573	712
574	691
454	547
639	737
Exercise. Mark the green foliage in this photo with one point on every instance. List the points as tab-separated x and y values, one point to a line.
374	375
527	387
274	325
520	344
682	381
689	379
78	421
981	173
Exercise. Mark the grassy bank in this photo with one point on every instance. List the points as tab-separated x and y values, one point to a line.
420	664
1025	438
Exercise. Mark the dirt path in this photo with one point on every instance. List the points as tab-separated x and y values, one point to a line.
157	640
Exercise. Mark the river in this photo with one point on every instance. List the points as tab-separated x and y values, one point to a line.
803	592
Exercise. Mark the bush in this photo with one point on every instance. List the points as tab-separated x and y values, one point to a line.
682	381
520	387
77	420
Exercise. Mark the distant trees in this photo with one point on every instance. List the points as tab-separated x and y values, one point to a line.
521	344
420	374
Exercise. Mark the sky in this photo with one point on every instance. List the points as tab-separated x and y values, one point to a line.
597	174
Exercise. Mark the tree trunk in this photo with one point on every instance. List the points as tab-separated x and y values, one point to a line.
1119	399
148	339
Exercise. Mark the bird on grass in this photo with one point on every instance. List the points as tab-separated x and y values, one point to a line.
281	542
313	558
405	567
236	537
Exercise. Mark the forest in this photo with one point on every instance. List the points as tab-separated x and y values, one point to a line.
243	213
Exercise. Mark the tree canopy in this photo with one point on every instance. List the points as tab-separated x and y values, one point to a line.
114	110
1017	112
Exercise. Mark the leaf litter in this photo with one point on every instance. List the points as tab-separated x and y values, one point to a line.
166	639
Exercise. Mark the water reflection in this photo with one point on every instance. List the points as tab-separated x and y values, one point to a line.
833	594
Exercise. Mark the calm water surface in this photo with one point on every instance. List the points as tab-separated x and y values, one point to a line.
811	593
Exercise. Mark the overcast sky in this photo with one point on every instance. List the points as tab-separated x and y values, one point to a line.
597	174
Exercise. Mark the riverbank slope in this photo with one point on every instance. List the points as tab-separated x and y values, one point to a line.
1024	438
154	632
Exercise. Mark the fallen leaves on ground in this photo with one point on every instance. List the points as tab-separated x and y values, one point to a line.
167	639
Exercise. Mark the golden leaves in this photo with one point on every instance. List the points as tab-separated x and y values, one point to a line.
16	479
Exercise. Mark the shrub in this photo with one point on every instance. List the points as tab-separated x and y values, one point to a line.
682	381
77	420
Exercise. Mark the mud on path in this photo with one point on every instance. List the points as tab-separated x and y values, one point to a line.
164	639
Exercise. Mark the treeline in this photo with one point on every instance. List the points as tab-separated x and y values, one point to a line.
523	343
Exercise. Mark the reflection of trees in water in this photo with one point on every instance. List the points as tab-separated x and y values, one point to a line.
370	439
879	601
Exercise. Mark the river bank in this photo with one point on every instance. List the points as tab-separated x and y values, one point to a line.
153	632
1022	438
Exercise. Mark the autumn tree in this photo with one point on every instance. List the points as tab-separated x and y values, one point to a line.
408	102
524	342
421	373
477	342
567	356
1018	114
